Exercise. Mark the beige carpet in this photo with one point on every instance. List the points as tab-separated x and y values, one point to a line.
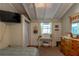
48	51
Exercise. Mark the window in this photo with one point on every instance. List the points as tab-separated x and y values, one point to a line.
75	28
46	28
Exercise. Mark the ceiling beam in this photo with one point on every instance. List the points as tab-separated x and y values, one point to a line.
27	10
26	13
66	10
45	10
35	10
23	11
13	7
56	11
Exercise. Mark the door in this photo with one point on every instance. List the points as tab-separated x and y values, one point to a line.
26	34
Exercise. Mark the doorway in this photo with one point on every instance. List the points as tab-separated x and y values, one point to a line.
26	33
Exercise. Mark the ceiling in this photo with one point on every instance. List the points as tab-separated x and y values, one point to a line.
47	11
39	11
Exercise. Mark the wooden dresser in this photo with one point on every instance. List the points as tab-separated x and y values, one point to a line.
70	47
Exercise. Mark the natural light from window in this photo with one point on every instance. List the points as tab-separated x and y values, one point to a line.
75	28
46	28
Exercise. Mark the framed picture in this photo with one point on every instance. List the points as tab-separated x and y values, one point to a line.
56	26
35	31
56	29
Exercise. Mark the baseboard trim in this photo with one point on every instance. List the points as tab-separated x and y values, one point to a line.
37	46
32	46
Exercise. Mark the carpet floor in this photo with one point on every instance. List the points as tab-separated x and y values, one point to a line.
49	51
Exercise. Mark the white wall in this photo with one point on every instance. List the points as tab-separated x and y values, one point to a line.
12	34
56	34
66	26
34	37
4	35
4	27
17	33
26	32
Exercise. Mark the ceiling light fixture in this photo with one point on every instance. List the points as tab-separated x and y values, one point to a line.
40	5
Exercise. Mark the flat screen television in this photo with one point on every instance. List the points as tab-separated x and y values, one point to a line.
10	17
